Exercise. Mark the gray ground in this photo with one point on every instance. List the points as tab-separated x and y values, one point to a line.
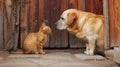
55	58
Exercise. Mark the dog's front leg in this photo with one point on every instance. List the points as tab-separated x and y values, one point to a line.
80	35
87	49
91	45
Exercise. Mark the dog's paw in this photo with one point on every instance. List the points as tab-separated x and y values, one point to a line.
86	52
91	52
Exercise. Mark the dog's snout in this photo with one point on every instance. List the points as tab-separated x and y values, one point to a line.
57	22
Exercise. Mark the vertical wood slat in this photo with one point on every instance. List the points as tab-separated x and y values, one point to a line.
112	38
54	13
32	21
81	5
106	15
73	4
9	29
1	24
16	20
94	6
11	24
24	19
114	22
63	34
117	22
7	25
41	10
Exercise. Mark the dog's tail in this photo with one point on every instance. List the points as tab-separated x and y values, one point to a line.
17	52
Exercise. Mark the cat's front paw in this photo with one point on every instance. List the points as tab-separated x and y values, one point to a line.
36	52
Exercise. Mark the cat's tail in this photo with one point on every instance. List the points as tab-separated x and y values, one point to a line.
17	52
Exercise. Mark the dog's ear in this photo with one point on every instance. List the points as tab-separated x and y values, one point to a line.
71	18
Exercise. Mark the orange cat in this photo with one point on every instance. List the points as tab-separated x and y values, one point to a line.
33	43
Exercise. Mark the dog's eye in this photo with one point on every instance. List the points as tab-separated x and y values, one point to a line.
62	18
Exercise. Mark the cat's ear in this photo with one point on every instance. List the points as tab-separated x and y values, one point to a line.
43	24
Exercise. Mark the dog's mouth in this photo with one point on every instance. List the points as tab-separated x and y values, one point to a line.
61	25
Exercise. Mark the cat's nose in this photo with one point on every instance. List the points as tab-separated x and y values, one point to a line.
50	30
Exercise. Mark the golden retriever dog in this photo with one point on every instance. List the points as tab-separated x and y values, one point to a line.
84	25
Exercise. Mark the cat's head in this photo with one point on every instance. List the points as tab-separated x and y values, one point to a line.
44	28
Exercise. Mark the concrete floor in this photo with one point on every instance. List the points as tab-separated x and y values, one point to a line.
56	58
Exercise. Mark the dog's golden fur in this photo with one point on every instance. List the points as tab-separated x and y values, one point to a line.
84	25
33	43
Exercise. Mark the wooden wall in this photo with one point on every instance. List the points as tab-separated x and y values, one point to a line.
114	13
21	17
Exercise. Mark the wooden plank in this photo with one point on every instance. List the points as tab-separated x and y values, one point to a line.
11	24
54	14
73	4
94	6
24	19
63	34
81	5
106	15
64	5
89	5
112	38
114	22
16	25
41	10
117	21
1	24
32	20
8	26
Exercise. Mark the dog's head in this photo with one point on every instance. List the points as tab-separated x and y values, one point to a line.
67	18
